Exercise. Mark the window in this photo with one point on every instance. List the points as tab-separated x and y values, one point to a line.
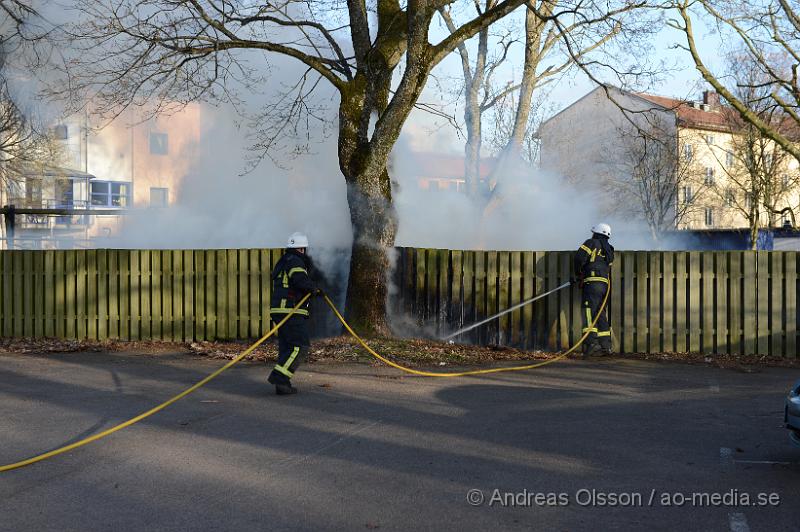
111	194
159	143
768	159
748	201
785	181
709	177
730	197
33	191
159	197
728	159
709	217
687	194
60	132
710	140
688	152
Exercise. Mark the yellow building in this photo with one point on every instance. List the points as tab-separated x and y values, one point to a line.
587	141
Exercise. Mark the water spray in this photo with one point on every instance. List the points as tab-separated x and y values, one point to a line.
503	313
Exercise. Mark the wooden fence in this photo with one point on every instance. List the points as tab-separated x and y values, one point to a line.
178	295
737	302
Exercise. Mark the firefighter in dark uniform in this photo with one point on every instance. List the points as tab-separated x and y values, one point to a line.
593	270
291	281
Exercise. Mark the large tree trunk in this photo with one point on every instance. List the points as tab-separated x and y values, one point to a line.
374	228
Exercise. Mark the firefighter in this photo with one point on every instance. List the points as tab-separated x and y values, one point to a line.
593	270
291	281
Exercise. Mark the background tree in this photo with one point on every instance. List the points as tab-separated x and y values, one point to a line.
653	179
134	51
769	34
513	106
760	181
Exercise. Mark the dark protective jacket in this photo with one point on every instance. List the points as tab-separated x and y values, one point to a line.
290	282
593	259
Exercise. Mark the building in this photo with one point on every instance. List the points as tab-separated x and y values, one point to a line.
589	142
128	164
441	172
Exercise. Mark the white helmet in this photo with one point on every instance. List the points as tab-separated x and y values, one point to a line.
297	240
602	229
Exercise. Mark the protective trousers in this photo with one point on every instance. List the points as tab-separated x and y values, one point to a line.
594	292
293	345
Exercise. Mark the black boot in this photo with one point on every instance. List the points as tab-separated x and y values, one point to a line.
285	389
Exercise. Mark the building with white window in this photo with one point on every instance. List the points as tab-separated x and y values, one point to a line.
586	142
128	164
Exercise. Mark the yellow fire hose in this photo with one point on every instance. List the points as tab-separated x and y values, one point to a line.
153	410
250	349
475	371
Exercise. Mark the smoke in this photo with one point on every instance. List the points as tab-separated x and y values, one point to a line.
529	209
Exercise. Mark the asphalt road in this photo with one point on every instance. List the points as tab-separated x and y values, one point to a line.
601	445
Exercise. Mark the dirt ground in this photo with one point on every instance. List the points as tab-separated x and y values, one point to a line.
409	351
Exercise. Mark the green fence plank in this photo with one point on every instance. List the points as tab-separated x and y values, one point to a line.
27	291
92	302
37	304
188	280
790	316
443	289
456	317
125	284
694	317
668	301
18	329
102	294
174	298
528	288
492	299
232	295
265	282
222	294
468	280
655	302
735	315
156	291
721	294
681	306
503	295
114	283
49	293
243	298
166	294
762	324
480	293
141	303
420	297
71	284
642	279
80	294
616	302
707	265
515	297
750	302
776	322
253	294
553	307
200	293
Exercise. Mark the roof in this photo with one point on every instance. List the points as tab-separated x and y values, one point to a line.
714	117
54	172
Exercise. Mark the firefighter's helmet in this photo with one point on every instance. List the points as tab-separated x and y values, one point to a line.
297	240
602	229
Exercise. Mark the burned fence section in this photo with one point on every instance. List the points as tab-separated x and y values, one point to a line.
737	302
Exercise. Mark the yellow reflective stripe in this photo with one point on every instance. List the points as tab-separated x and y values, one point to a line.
283	303
587	250
594	255
604	333
595	279
286	365
285	280
297	270
587	329
299	312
